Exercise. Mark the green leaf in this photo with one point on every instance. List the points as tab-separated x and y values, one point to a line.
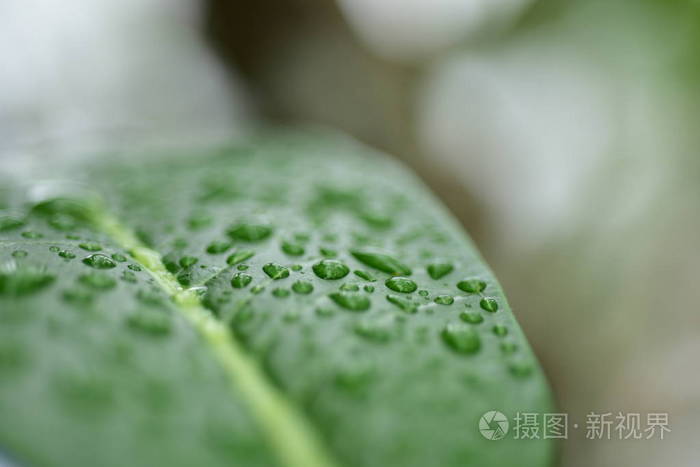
126	338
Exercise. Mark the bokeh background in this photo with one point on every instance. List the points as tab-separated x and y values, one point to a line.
562	133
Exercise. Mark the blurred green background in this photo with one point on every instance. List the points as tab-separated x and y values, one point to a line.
562	133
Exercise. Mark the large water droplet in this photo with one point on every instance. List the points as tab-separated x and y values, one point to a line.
461	338
330	269
249	232
99	261
276	271
381	261
438	270
401	284
471	285
352	301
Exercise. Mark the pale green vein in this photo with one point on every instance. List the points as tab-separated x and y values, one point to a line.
290	434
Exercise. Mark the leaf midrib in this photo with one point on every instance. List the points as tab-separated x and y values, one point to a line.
293	438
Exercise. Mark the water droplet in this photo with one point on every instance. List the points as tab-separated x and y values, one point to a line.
218	247
292	249
54	249
302	287
351	300
444	300
119	258
423	293
22	282
403	304
99	261
369	288
150	321
489	304
256	289
438	270
401	284
325	312
180	243
364	275
461	338
508	347
241	280
280	293
381	261
10	223
187	261
330	269
471	285
129	276
19	254
472	317
297	267
239	256
32	235
328	252
520	368
199	220
134	267
276	271
500	330
90	246
348	287
250	232
242	267
97	280
65	254
302	237
185	277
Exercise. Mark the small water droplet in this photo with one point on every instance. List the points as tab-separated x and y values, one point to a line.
328	252
242	267
369	288
348	287
401	284
241	280
423	293
330	269
489	304
249	232
508	347
500	330
325	312
352	301
150	321
297	267
276	271
471	285
134	267
54	249
381	261
461	338
403	304
99	261
472	317
90	246
187	261
10	223
32	235
239	256
65	254
292	249
218	247
129	276
78	296
280	293
19	254
302	287
258	288
520	368
199	220
63	222
374	330
97	280
364	275
444	300
119	258
438	270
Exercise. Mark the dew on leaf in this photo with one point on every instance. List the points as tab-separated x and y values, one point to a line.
217	247
129	276
349	287
352	301
99	261
242	267
292	249
280	293
330	269
239	256
520	368
369	288
19	254
439	270
90	246
364	275
374	330
134	267
381	261
500	330
401	284
276	271
325	312
258	288
10	223
471	285
199	220
30	234
150	321
22	282
119	258
423	293
444	300
508	347
54	249
472	317
249	232
489	304
65	254
241	280
302	287
402	303
98	280
188	261
461	338
328	252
